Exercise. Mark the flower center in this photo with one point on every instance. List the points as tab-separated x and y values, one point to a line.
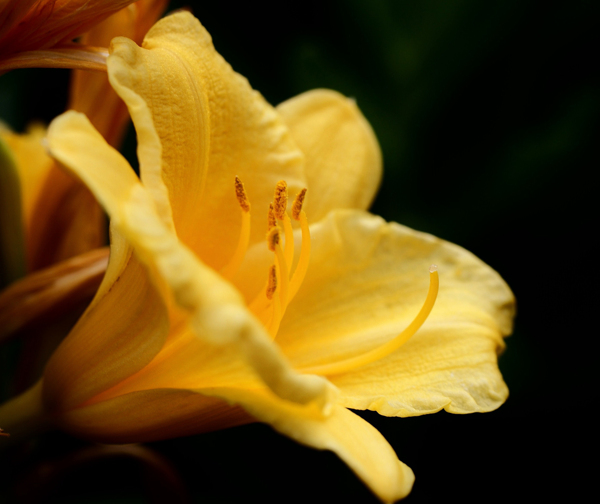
270	304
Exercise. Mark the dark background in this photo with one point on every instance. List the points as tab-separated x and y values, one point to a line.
488	116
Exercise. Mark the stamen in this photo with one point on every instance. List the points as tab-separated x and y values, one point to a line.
279	207
272	221
277	316
297	205
302	266
260	303
389	347
267	306
230	269
273	238
281	199
273	241
289	240
283	277
271	288
240	194
271	282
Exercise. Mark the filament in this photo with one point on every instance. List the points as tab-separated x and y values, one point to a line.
283	276
289	240
232	267
302	266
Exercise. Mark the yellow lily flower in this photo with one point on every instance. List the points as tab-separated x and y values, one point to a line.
38	33
200	323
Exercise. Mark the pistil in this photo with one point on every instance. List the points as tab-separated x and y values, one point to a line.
384	350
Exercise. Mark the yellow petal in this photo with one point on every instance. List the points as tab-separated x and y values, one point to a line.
450	366
342	156
218	314
366	282
212	125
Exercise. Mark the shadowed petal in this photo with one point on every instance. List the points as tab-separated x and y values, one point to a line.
39	24
151	415
50	293
342	156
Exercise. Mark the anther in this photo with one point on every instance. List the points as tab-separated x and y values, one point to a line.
240	194
272	282
273	238
272	221
280	200
297	205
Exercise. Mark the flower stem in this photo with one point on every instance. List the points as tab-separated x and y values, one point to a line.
23	416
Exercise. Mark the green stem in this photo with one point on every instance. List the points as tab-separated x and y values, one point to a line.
23	416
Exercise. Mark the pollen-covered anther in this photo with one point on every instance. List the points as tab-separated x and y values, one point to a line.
240	194
281	199
272	282
273	238
297	205
272	221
